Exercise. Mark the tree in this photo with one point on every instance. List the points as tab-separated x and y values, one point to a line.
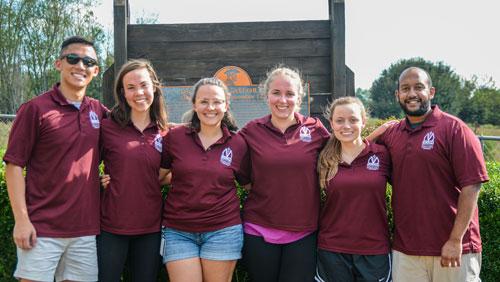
363	95
12	90
30	36
147	18
448	86
484	106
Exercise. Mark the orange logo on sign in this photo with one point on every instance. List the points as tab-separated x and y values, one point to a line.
233	76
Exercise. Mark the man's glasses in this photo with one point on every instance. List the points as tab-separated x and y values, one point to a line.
73	59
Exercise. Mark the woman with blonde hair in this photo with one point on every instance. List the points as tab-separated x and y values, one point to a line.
353	239
282	209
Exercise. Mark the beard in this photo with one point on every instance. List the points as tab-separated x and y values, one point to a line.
425	106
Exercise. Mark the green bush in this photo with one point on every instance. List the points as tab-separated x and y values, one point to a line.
7	247
489	221
489	211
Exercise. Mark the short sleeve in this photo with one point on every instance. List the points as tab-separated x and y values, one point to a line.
467	157
166	156
243	174
322	131
23	135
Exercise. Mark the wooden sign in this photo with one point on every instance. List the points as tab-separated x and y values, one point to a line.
246	103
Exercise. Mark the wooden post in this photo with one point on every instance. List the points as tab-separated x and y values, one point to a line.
121	20
337	25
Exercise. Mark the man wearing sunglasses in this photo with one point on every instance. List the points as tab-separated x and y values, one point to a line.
55	136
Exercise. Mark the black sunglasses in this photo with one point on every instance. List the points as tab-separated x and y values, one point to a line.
73	59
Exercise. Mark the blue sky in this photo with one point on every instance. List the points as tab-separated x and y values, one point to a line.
462	34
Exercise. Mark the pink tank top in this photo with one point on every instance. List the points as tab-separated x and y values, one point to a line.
274	236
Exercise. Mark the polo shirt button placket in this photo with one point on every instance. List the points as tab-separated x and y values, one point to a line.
80	121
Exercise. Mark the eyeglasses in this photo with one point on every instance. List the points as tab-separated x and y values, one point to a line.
73	59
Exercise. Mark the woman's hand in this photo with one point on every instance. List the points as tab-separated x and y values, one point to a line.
105	179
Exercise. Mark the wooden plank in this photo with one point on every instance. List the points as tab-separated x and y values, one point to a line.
320	103
229	31
186	70
121	19
350	88
337	21
108	79
230	49
319	83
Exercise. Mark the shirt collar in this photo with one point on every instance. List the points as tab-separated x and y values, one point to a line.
59	98
266	120
369	149
226	133
431	120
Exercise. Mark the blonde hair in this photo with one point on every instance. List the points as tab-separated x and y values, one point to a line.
292	74
331	155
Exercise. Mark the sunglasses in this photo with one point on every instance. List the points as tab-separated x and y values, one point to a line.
73	59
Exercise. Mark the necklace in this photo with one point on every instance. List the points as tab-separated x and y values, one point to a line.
350	157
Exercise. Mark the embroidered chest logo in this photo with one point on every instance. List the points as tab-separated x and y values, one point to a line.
226	157
373	163
305	134
94	119
157	142
428	142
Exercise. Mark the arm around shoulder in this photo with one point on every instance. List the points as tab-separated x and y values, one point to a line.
379	131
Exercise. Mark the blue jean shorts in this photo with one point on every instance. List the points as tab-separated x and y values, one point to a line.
222	244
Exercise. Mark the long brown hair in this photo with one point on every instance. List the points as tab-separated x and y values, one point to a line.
331	155
121	110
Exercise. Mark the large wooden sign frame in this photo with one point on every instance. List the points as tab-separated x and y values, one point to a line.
184	53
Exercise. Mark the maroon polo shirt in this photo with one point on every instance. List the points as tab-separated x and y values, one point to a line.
431	164
132	202
354	217
202	196
285	188
59	146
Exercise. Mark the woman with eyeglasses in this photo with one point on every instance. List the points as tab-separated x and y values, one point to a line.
202	233
131	203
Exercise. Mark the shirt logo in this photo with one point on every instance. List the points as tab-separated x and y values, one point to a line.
94	119
226	157
373	163
428	142
305	134
158	143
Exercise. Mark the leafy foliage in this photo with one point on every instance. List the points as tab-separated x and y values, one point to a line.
31	32
470	100
489	213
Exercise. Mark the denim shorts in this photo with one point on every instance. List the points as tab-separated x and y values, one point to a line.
222	244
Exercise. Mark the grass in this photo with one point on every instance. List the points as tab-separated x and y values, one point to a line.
4	132
491	148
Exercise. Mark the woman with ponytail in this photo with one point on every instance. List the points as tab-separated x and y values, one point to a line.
353	239
282	209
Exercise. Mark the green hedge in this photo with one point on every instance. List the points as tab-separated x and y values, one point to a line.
489	211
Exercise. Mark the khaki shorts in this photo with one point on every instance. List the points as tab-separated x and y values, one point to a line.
428	268
72	259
